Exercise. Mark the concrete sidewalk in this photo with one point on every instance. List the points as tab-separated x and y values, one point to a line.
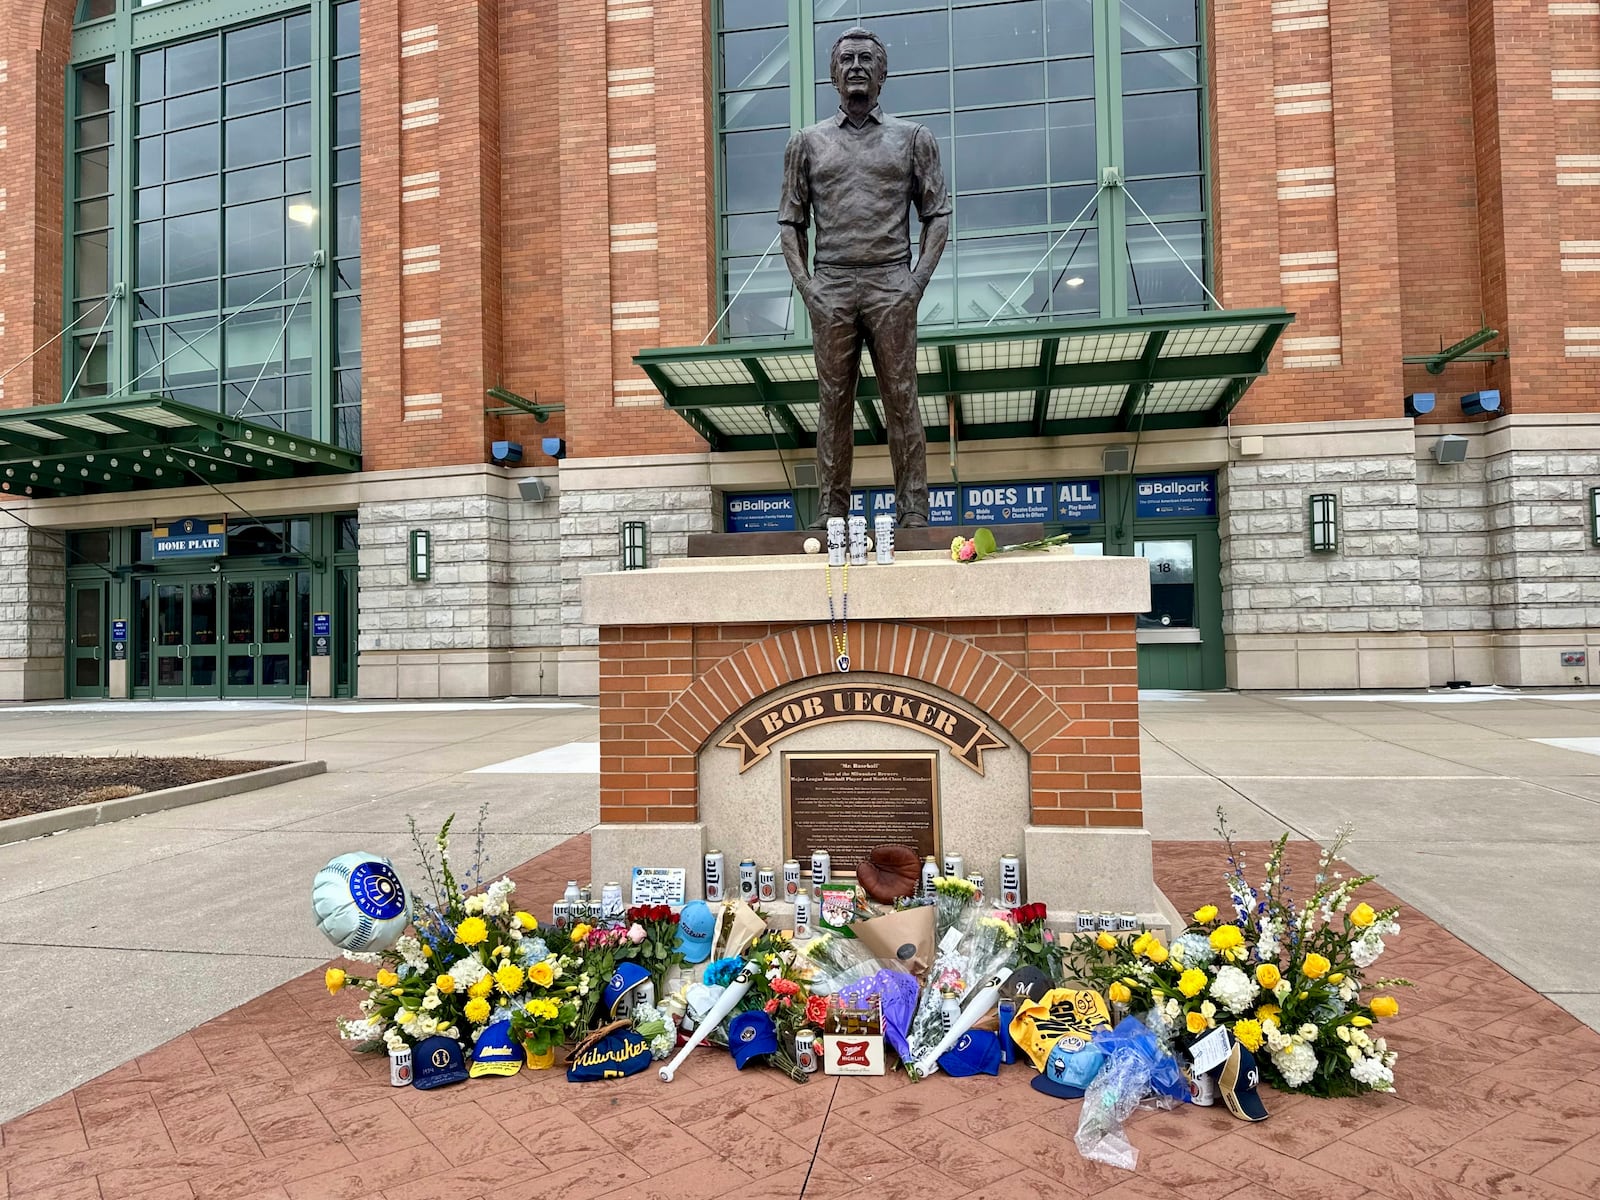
135	932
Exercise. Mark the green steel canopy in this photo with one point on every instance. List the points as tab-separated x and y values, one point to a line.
1180	370
138	442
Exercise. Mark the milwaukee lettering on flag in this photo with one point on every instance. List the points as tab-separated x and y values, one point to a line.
966	735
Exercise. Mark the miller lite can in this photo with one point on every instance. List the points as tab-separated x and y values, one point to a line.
1088	922
791	879
930	876
400	1067
802	914
1127	922
561	914
955	866
836	541
976	881
747	880
858	541
821	869
1202	1088
1108	922
805	1051
611	900
883	537
1010	881
1007	1009
767	885
715	879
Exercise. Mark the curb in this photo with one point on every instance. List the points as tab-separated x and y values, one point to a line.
20	829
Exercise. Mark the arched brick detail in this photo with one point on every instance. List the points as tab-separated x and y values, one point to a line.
981	679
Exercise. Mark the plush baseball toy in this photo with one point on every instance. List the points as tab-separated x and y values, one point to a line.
359	902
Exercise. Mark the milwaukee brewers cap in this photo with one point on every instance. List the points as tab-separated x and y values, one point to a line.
628	977
495	1053
751	1034
1237	1080
975	1053
436	1062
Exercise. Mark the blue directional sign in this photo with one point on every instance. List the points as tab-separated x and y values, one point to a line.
760	512
1007	503
119	631
190	537
1176	496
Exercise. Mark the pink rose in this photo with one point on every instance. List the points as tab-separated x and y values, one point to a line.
968	552
636	933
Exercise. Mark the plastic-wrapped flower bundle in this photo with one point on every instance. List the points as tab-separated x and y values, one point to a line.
970	951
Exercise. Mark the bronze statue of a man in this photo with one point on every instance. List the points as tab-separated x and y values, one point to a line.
856	175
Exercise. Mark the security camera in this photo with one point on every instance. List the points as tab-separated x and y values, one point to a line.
216	568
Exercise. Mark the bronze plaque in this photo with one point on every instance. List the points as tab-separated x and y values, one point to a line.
848	803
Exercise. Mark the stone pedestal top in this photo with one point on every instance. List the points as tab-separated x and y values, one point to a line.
777	590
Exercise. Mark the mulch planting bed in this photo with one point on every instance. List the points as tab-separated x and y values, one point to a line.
43	784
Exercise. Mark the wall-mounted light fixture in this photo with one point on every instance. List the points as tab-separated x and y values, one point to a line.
421	554
635	549
1324	521
1451	448
1594	515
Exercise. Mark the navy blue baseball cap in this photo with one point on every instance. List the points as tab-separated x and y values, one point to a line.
749	1035
697	925
1237	1080
1068	1071
436	1062
495	1052
614	1055
975	1053
628	977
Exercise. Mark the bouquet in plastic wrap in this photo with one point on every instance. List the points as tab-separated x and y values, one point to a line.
1138	1072
974	948
848	968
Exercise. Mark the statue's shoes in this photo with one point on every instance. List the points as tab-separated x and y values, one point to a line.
913	521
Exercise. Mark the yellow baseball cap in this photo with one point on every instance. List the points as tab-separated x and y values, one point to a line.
1059	1013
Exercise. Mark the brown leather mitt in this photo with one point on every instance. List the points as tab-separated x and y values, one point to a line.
889	872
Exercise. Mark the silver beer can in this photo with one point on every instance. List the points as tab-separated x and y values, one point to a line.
1088	922
586	894
821	868
766	885
883	537
747	879
716	878
836	541
1108	922
1127	922
400	1067
1010	881
858	541
561	914
802	914
791	879
805	1052
955	866
976	881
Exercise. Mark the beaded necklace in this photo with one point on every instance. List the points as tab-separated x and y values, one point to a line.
839	626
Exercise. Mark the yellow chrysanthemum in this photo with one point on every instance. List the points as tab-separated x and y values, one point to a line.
1385	1006
543	1009
1315	966
541	974
333	980
1196	1023
387	978
1227	940
1248	1034
477	1011
471	931
446	984
1106	942
1362	916
1192	982
508	978
482	988
1119	993
1268	1012
1268	976
1206	915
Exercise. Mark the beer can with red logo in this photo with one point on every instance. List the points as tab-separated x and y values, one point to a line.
805	1052
400	1067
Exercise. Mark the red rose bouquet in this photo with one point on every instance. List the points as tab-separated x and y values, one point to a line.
651	939
1036	945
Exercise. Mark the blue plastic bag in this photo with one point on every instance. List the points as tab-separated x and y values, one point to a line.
1133	1036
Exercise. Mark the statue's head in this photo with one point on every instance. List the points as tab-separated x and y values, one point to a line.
858	65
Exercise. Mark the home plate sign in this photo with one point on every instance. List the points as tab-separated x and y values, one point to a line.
966	734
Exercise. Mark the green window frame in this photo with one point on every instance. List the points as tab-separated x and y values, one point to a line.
286	355
1076	81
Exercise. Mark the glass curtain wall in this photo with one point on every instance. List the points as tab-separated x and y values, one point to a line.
1031	101
209	171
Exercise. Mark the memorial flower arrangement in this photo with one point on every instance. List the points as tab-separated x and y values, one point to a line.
982	545
779	990
973	944
1288	981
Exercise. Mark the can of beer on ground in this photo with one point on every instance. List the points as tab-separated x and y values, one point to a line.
767	885
1010	880
858	541
1202	1088
930	875
715	879
976	881
836	541
955	866
747	879
400	1067
805	1051
611	900
883	537
791	879
802	914
821	870
1007	1009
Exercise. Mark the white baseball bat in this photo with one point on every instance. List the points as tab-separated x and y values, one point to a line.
724	1005
988	996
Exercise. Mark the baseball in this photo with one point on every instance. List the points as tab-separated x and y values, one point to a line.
812	546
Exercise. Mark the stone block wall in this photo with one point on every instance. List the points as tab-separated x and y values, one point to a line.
33	613
1544	567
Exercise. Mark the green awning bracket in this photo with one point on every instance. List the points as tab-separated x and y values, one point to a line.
1038	379
142	441
512	404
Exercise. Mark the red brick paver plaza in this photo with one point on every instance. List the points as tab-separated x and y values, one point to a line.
1499	1097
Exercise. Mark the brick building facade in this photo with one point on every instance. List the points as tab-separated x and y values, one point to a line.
539	204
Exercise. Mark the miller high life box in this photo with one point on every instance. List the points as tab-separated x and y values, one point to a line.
852	1040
